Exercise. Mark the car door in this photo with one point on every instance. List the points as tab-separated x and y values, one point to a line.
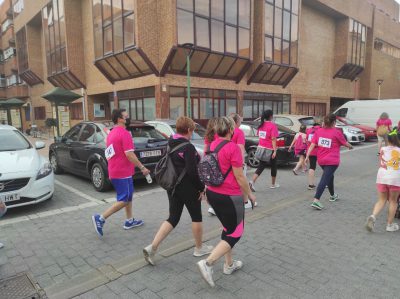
63	148
82	149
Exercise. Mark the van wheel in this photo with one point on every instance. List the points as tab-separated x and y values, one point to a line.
99	180
54	164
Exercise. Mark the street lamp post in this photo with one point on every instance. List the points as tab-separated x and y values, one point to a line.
188	50
379	81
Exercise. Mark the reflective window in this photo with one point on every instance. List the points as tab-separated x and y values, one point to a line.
357	42
140	103
202	32
255	103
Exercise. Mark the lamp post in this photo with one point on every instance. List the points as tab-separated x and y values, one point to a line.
188	50
356	80
379	81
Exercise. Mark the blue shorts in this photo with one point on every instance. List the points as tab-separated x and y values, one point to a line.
124	189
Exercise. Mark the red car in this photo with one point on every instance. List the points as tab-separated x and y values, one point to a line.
369	132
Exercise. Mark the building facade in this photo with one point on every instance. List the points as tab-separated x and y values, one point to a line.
302	57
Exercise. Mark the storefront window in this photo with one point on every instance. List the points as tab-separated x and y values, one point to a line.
255	103
140	103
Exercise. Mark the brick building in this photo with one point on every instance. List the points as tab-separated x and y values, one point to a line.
304	57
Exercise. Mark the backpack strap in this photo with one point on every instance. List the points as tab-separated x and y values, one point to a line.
217	149
170	151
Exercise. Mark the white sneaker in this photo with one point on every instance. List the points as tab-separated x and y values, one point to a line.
206	271
1	245
275	186
149	253
236	265
370	223
211	211
204	250
247	205
333	198
392	227
251	185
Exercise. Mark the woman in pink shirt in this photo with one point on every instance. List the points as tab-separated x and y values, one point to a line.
210	133
329	140
385	122
227	200
268	132
313	156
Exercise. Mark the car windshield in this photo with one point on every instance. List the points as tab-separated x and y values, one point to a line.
200	130
339	123
13	141
350	122
145	134
307	121
195	135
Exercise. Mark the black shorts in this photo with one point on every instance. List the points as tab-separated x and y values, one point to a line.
313	162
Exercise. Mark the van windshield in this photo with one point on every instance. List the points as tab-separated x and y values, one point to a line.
350	122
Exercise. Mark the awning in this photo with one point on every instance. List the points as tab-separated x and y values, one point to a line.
61	97
13	102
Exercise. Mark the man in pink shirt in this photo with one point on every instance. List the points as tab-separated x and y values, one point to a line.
121	160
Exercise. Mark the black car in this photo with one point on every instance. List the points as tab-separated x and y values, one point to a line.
81	150
283	142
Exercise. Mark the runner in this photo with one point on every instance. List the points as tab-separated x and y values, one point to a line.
121	167
387	182
187	193
227	201
300	147
329	140
313	156
268	132
383	127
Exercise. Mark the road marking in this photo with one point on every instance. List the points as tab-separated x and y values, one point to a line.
77	192
359	148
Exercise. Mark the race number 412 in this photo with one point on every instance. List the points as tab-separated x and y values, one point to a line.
324	142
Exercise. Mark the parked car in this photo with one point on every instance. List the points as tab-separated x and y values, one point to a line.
81	150
167	127
25	176
291	121
352	134
369	132
283	142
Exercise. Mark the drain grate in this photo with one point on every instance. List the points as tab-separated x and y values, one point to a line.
20	287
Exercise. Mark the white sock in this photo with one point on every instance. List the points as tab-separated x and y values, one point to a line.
102	218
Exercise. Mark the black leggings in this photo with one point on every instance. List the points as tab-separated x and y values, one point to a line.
185	195
263	165
230	211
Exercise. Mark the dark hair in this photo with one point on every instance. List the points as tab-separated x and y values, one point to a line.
210	131
116	113
266	116
303	128
393	139
329	120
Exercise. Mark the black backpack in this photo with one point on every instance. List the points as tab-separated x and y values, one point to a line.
209	170
165	172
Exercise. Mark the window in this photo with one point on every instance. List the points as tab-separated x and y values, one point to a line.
255	103
228	22
284	121
72	135
27	113
40	113
76	111
164	130
140	103
9	52
88	134
313	109
7	23
357	43
342	112
18	7
22	52
386	48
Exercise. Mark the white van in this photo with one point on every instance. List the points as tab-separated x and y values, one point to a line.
367	112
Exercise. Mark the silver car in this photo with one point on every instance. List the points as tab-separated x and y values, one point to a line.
352	134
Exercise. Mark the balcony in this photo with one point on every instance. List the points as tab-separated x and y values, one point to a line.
17	91
10	65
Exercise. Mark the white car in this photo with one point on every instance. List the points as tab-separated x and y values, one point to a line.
25	177
352	134
292	121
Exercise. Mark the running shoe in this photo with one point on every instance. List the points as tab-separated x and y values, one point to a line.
149	253
98	224
317	205
1	245
247	205
275	186
392	227
204	250
333	198
211	212
236	265
206	271
295	172
311	187
370	223
251	185
132	223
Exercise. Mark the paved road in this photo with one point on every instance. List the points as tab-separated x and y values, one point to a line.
289	251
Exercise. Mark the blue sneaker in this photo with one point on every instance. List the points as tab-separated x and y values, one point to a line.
98	224
132	223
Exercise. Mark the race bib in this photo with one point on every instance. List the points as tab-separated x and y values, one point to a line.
310	137
109	152
324	142
262	134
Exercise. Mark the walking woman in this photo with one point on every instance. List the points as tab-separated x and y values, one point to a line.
267	132
329	140
187	193
227	201
313	156
383	127
387	182
210	134
300	148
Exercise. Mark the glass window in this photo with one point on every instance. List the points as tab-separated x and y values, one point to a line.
139	106
286	4
244	13
231	11
286	25
206	108
231	40
118	35
88	134
202	7
269	19
107	40
244	42
164	129
217	36
72	135
230	106
278	22
247	130
268	49
285	52
202	32
185	27
185	4
217	9
133	111
277	50
295	7
176	107
149	108
283	121
195	108
247	109
222	111
278	3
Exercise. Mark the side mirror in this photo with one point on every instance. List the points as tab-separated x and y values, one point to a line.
39	145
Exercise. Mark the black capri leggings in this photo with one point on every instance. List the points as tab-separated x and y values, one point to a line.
230	211
185	195
313	162
263	165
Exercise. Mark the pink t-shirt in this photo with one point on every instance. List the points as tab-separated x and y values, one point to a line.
119	167
329	141
238	136
310	134
267	132
229	155
384	122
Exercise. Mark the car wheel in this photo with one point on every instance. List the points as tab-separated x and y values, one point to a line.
54	164
251	158
99	180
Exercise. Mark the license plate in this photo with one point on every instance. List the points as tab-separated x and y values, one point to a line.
10	197
150	154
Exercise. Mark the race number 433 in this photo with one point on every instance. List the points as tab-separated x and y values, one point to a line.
109	152
324	142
